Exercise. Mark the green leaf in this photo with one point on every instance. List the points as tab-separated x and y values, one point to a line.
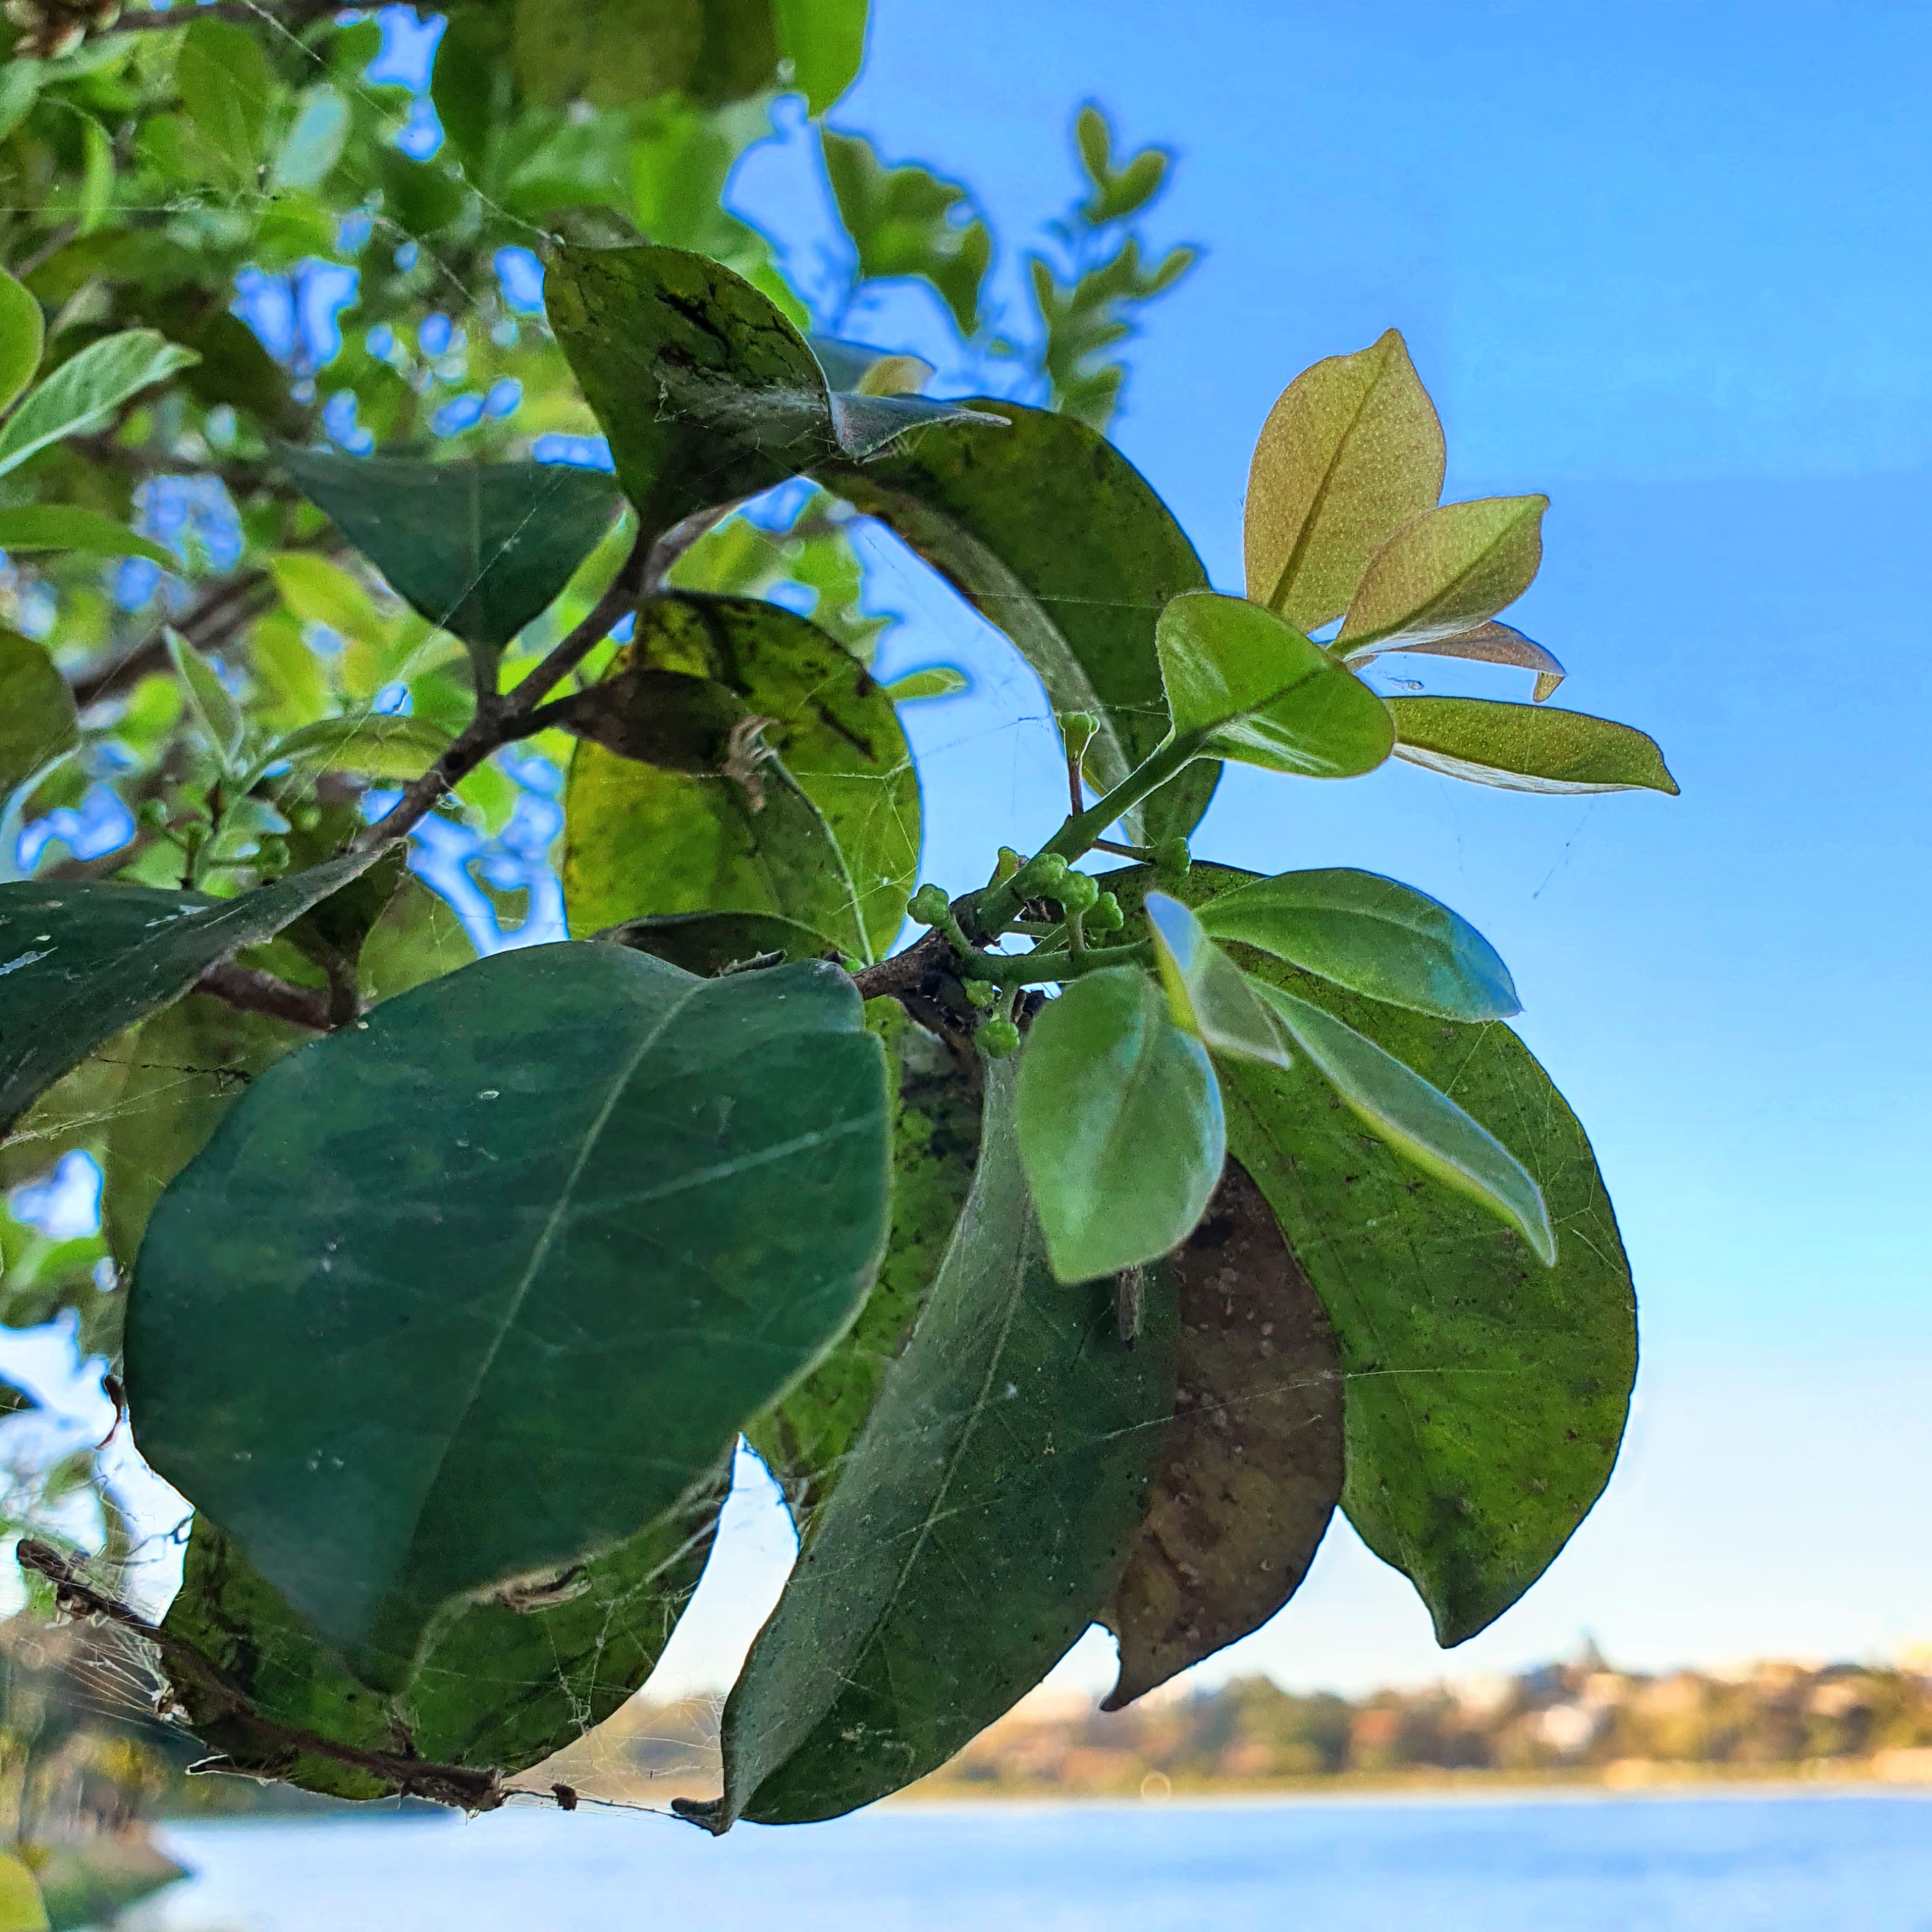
1523	747
712	944
314	142
1251	1471
38	723
933	681
85	390
1242	684
378	744
707	393
1056	539
1352	451
833	729
613	53
1486	1395
82	961
187	1066
22	333
1418	1120
1371	935
32	526
318	591
1118	1115
478	549
806	1440
227	86
214	708
1005	1464
1446	571
1206	991
19	88
903	221
1118	192
22	1908
825	42
505	1681
1487	643
601	1136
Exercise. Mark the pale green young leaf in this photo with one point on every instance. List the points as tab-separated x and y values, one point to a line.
213	705
375	743
32	527
1492	643
22	1907
318	591
315	140
1118	1115
1208	992
227	86
1370	934
1524	748
825	42
864	370
37	720
932	681
22	335
1446	571
19	88
82	392
1350	452
1243	684
1419	1121
658	1200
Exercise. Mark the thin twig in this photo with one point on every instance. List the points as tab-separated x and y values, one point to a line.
500	718
904	972
223	611
46	251
249	990
462	1786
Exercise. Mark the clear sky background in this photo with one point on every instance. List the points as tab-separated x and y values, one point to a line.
1668	262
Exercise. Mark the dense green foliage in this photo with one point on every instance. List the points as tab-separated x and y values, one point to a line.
452	1283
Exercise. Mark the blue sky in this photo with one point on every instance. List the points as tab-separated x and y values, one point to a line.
1670	263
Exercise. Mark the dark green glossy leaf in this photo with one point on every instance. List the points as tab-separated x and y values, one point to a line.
707	393
1486	1394
825	42
1242	684
81	961
667	719
34	526
478	549
710	943
1206	991
805	1439
1371	935
1005	1465
833	730
38	723
1118	1117
903	221
1418	1120
574	1242
1351	451
1251	1470
1056	539
1446	571
1525	747
505	1682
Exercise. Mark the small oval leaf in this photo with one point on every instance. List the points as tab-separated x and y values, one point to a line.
1446	571
1525	747
1206	990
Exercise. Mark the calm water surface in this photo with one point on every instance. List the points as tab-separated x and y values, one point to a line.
1848	1864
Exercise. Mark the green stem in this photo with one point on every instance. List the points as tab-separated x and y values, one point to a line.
1078	834
1033	969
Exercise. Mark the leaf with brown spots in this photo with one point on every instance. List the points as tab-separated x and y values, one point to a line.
1253	1465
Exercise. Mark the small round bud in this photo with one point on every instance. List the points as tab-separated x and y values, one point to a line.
1042	876
997	1038
271	854
1078	730
1172	859
929	906
153	814
1105	915
1010	861
305	817
983	994
1078	892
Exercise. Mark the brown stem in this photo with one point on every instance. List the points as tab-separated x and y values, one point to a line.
249	990
500	719
462	1786
904	972
223	610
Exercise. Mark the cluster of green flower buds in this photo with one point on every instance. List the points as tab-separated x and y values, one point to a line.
49	28
929	906
1104	915
997	1038
1172	860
